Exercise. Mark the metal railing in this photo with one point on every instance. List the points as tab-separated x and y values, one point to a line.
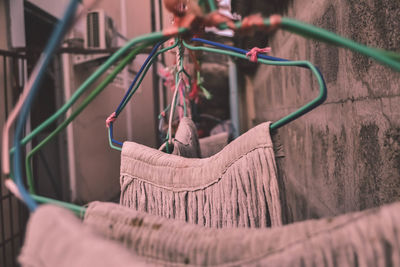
13	214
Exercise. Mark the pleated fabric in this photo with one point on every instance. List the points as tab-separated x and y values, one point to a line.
368	238
55	237
236	187
186	142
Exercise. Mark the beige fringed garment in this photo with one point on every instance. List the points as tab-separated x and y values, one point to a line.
369	238
186	143
237	187
213	144
56	238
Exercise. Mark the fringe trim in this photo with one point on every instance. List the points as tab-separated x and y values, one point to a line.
245	195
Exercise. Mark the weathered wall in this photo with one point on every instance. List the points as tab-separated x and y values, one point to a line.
344	155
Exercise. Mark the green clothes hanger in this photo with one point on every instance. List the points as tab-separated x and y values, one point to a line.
299	112
82	106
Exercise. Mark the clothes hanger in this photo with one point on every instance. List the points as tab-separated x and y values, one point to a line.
75	208
130	92
29	94
275	61
180	87
112	141
150	38
133	88
388	58
241	53
299	112
82	106
36	74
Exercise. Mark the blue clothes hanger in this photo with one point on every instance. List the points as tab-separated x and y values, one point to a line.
124	99
41	66
132	89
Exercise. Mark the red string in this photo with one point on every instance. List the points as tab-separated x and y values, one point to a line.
111	119
253	53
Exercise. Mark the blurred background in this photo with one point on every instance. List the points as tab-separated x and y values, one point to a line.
344	156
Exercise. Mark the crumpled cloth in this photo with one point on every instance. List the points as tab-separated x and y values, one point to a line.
213	144
186	143
56	238
236	187
368	238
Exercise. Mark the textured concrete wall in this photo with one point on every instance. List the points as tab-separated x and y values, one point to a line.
344	155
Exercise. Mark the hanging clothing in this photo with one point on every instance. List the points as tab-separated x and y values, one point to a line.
55	237
213	144
237	187
186	143
368	238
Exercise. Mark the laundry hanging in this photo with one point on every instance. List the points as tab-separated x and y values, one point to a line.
237	187
368	238
186	143
55	237
191	21
213	144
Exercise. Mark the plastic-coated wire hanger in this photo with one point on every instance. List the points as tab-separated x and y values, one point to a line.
82	106
44	61
110	120
235	49
271	61
145	72
388	58
168	138
142	72
124	100
299	112
139	78
36	72
179	87
133	88
75	208
78	210
112	141
296	114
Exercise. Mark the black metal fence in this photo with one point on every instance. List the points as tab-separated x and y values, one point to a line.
13	214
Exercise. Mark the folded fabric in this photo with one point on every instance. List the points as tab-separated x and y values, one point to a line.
213	144
368	238
55	237
186	143
237	187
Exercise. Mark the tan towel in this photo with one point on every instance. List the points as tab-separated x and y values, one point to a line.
369	238
237	187
186	143
213	144
56	238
